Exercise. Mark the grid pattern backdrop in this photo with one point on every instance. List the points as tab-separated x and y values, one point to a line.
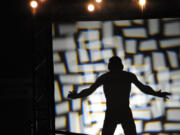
149	48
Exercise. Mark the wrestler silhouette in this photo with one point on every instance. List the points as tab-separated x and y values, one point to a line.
117	86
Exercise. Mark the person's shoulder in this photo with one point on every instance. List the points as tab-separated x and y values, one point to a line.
129	74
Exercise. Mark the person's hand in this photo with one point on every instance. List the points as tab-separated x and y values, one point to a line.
73	94
163	94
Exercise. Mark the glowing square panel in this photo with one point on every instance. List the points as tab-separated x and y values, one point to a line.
159	62
154	126
168	43
89	35
157	108
95	55
142	114
153	25
71	79
138	59
148	45
172	127
61	122
57	92
123	23
130	46
107	29
56	57
74	122
59	68
76	104
138	21
67	29
173	59
60	44
83	55
135	32
139	124
62	108
173	114
172	29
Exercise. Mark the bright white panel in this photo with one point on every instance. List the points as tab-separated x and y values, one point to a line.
138	21
86	114
67	29
66	89
139	126
172	126
173	59
95	98
71	58
172	29
97	107
60	122
76	104
153	25
71	79
148	45
107	53
167	43
95	55
123	23
89	35
138	59
153	126
57	93
109	42
158	61
141	114
157	108
83	55
56	57
62	108
59	68
163	76
139	99
130	46
173	114
94	45
89	78
175	74
107	29
61	44
74	122
100	67
135	32
86	68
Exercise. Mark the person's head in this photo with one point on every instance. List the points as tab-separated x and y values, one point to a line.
115	64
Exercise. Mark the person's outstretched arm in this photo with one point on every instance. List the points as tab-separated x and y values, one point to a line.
88	91
149	90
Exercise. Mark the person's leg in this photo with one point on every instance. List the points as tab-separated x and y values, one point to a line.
128	125
129	128
109	126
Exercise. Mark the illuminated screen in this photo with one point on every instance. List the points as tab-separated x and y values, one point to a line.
149	48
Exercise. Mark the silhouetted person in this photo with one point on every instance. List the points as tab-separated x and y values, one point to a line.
117	86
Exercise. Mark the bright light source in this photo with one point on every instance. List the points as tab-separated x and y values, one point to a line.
98	1
34	4
91	7
142	3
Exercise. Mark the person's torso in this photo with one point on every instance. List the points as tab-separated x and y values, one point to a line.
117	88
